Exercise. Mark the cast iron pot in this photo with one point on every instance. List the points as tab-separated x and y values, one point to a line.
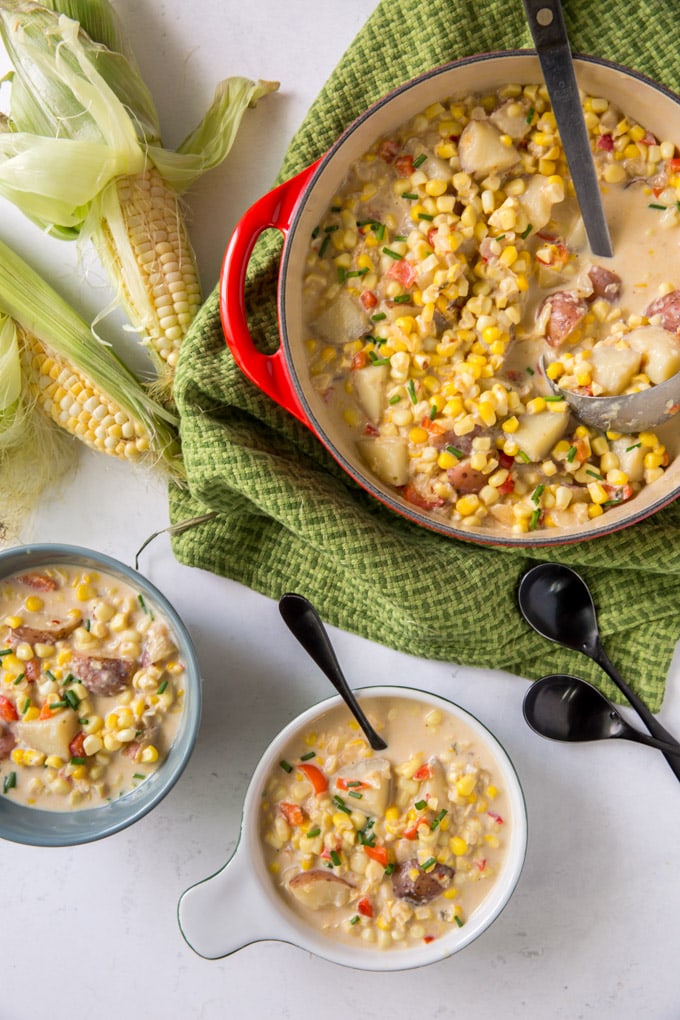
296	207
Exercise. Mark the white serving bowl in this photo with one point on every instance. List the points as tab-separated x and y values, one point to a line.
239	905
297	206
39	827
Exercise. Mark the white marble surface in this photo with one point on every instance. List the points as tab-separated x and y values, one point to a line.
91	931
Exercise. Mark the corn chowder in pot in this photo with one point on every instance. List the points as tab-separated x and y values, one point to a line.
91	688
387	849
451	261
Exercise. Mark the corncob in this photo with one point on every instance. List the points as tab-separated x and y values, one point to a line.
77	379
79	104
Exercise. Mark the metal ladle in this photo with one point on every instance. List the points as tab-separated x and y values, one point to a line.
557	603
307	626
632	412
564	707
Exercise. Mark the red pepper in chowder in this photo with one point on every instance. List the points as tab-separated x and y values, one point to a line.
452	258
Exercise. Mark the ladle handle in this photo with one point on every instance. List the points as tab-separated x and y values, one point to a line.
305	623
650	720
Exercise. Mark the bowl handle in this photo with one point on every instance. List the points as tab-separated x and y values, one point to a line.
268	371
228	911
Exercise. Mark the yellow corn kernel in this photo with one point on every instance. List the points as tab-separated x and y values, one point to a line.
597	493
446	460
435	187
84	592
418	435
458	846
149	755
392	813
34	603
595	510
465	785
31	713
468	504
536	405
491	791
510	425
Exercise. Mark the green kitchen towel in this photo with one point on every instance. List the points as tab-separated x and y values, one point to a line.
287	518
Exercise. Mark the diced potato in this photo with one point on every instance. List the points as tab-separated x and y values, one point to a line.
344	319
370	385
538	433
435	787
614	367
317	889
512	118
376	773
660	351
481	151
631	458
387	456
52	736
538	200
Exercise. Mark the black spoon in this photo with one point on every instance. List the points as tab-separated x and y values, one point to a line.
563	707
557	603
305	623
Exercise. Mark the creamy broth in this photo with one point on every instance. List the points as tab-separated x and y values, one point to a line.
91	688
452	259
386	849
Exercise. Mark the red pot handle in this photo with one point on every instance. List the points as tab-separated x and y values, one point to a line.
269	372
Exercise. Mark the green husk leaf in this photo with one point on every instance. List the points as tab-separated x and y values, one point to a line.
40	310
34	453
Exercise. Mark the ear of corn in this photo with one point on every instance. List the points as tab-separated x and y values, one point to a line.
77	379
79	105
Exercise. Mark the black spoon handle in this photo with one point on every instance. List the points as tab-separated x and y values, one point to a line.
307	626
650	721
666	746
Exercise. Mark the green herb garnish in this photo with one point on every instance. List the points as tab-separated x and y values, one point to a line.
285	765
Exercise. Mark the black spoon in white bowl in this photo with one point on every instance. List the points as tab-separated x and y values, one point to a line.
307	626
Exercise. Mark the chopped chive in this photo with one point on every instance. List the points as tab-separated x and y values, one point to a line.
335	857
635	446
149	612
324	245
499	237
341	274
419	160
411	388
525	233
314	832
340	804
139	775
9	782
354	920
420	804
19	678
656	205
162	687
553	398
379	229
331	230
315	233
5	651
83	721
435	823
425	216
355	794
389	868
355	272
285	765
433	412
594	474
354	782
376	360
25	705
336	208
611	502
87	624
529	370
395	399
455	451
534	519
378	317
530	114
571	453
429	863
402	299
523	456
537	493
400	237
308	755
72	698
59	704
458	920
392	254
409	194
75	760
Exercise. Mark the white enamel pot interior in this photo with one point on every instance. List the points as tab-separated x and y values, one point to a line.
296	207
239	905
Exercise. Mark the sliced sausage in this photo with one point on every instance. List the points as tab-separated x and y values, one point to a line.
606	283
668	307
39	582
7	742
410	883
101	675
41	635
565	312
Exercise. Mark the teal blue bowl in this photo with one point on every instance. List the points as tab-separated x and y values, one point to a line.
37	827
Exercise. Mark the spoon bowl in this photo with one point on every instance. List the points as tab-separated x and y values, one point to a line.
564	707
631	412
307	626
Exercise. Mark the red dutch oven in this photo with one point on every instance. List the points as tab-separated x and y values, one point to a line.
296	207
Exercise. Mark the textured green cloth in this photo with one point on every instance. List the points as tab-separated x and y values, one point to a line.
289	519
